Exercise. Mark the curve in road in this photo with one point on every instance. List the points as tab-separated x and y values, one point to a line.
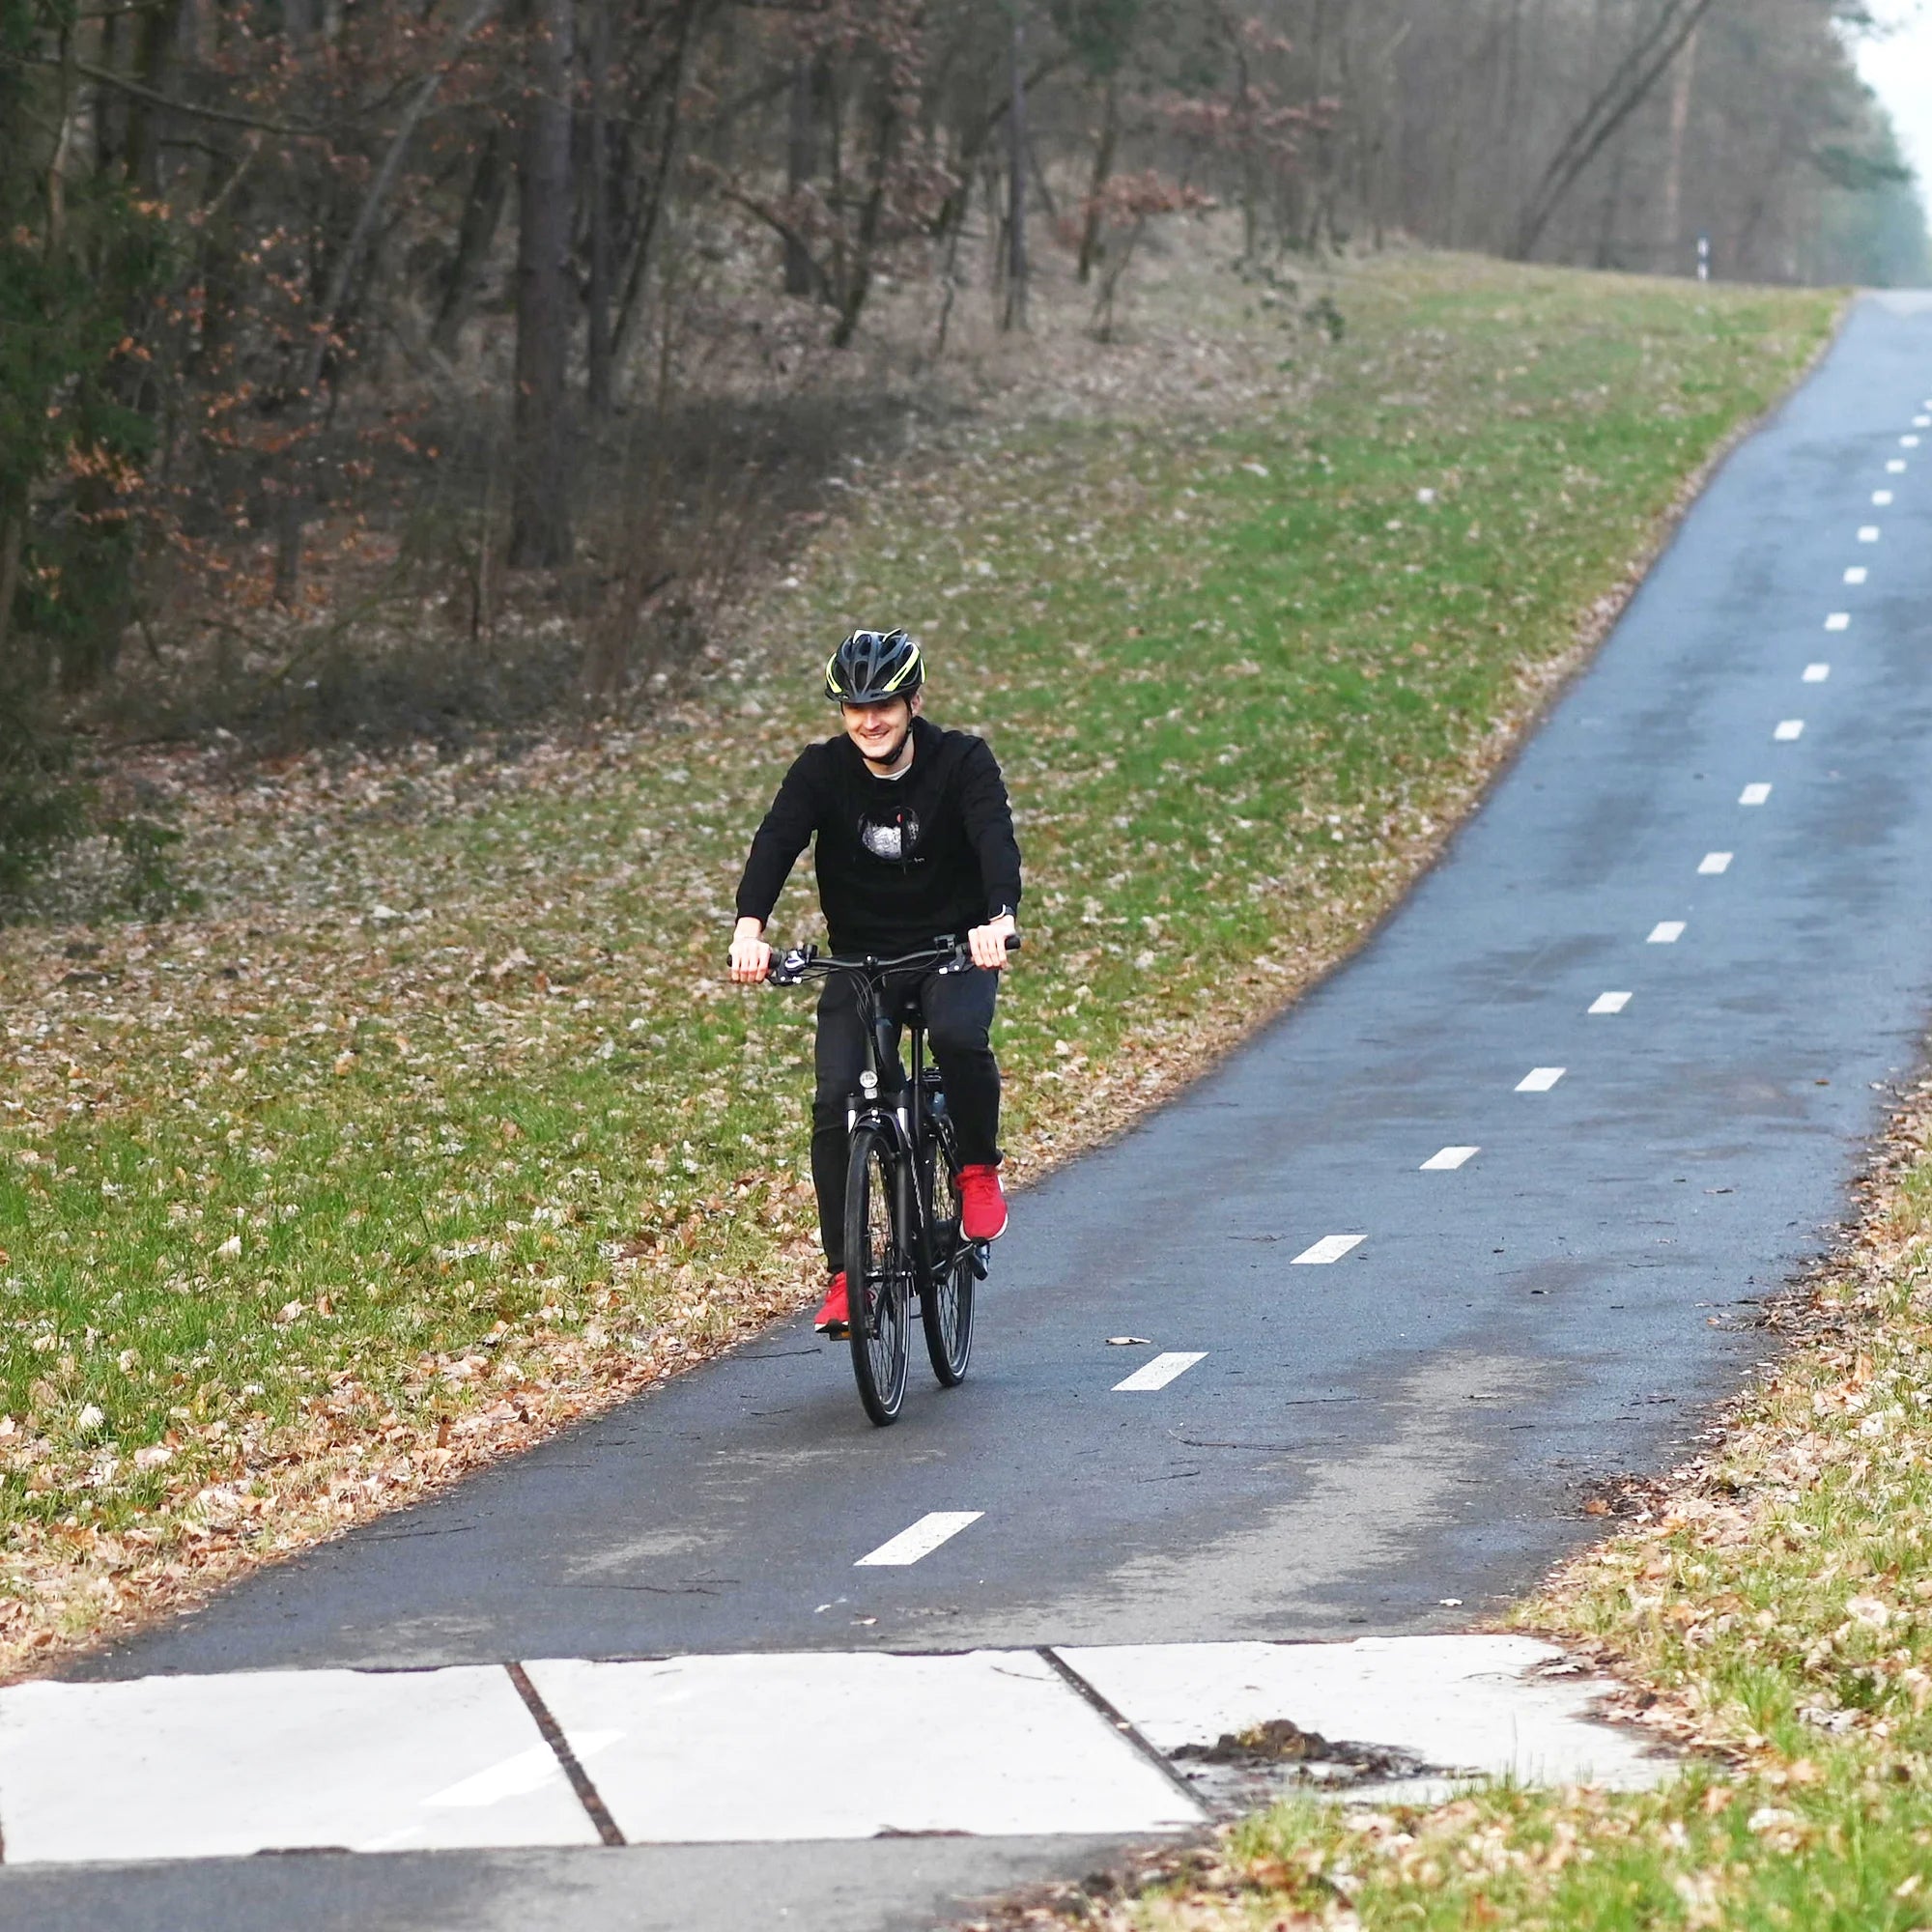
1483	1222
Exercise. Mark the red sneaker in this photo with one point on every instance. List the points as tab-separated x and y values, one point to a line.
834	1319
982	1207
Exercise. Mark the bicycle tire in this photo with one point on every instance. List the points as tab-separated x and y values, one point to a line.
878	1265
946	1301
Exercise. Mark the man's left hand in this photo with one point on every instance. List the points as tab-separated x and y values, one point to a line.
988	943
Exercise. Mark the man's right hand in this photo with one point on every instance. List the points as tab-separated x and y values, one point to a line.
750	956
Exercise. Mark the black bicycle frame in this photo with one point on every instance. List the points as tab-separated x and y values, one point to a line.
902	1118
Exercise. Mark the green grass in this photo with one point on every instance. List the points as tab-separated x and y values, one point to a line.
448	1050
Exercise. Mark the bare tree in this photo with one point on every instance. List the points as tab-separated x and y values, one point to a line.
1629	81
540	524
1016	177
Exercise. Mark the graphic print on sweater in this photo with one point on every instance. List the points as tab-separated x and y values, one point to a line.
895	839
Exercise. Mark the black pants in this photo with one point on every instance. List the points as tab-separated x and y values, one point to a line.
958	1009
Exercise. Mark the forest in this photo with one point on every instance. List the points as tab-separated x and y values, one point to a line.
387	372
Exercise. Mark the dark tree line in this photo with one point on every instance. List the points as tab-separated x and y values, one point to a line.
221	222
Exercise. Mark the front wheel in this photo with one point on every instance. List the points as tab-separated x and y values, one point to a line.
877	1268
945	1304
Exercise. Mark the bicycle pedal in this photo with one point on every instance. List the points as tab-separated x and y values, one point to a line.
980	1258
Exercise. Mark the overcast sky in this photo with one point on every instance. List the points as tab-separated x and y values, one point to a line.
1898	67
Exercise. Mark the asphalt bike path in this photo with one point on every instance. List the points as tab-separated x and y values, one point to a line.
1482	1223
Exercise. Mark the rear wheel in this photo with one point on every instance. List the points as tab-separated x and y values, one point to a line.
877	1268
945	1303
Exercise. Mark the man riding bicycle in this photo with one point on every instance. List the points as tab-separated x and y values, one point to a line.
915	839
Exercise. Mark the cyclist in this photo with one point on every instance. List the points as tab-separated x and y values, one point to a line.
915	840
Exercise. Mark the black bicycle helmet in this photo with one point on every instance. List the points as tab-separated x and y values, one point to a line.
872	665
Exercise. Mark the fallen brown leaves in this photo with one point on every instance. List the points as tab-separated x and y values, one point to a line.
443	1116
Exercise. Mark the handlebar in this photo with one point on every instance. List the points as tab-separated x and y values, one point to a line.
792	968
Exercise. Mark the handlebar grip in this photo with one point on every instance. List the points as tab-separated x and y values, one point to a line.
1012	942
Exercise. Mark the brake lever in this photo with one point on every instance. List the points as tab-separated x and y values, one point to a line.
788	970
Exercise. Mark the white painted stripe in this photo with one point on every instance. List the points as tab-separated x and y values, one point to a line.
1609	1002
1817	673
935	1527
1869	533
1540	1079
1907	442
1755	794
1449	1157
517	1776
1838	620
1881	497
1715	862
1788	729
1921	422
1329	1248
1896	467
1666	932
1158	1372
1856	573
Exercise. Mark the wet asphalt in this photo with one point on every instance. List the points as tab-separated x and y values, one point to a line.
1397	1442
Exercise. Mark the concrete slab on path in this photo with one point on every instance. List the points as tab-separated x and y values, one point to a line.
759	1747
280	1760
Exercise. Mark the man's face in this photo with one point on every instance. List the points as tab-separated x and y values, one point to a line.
877	730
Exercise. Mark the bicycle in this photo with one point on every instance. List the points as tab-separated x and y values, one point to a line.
902	1232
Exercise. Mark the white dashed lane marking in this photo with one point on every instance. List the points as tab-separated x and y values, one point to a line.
1329	1248
1869	533
1447	1159
1881	499
1907	442
1715	862
1158	1372
1666	932
1609	1002
516	1776
1788	729
1755	794
921	1540
1856	573
1896	467
1838	620
1817	673
1540	1079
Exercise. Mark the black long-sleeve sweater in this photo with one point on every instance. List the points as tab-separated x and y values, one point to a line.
900	861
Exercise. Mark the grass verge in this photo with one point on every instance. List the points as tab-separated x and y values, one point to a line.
438	1124
1771	1610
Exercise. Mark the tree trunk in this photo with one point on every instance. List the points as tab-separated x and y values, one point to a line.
333	307
1680	124
650	212
597	373
476	230
855	277
1016	174
1103	168
150	123
801	164
12	529
540	534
